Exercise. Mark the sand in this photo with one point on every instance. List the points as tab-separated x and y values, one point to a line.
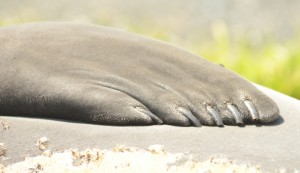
271	147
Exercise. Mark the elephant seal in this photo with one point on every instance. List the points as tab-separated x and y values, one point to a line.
95	74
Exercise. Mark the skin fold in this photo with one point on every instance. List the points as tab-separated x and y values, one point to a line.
101	75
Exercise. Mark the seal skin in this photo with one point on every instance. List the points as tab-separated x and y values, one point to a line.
100	75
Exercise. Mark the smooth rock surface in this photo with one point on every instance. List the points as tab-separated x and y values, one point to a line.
273	146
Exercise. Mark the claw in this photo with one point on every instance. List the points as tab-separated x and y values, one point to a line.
187	113
236	114
252	110
216	115
150	114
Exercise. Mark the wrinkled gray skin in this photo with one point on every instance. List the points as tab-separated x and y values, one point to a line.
101	75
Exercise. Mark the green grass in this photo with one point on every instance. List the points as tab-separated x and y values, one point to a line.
270	63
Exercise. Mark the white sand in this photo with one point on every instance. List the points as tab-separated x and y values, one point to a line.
123	159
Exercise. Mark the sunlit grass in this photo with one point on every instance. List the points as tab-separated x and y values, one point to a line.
271	63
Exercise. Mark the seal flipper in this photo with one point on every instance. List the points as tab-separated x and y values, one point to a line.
31	58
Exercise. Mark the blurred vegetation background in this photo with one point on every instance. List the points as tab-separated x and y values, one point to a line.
258	39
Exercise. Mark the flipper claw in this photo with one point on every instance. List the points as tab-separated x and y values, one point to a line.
216	115
236	114
187	113
252	110
150	114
